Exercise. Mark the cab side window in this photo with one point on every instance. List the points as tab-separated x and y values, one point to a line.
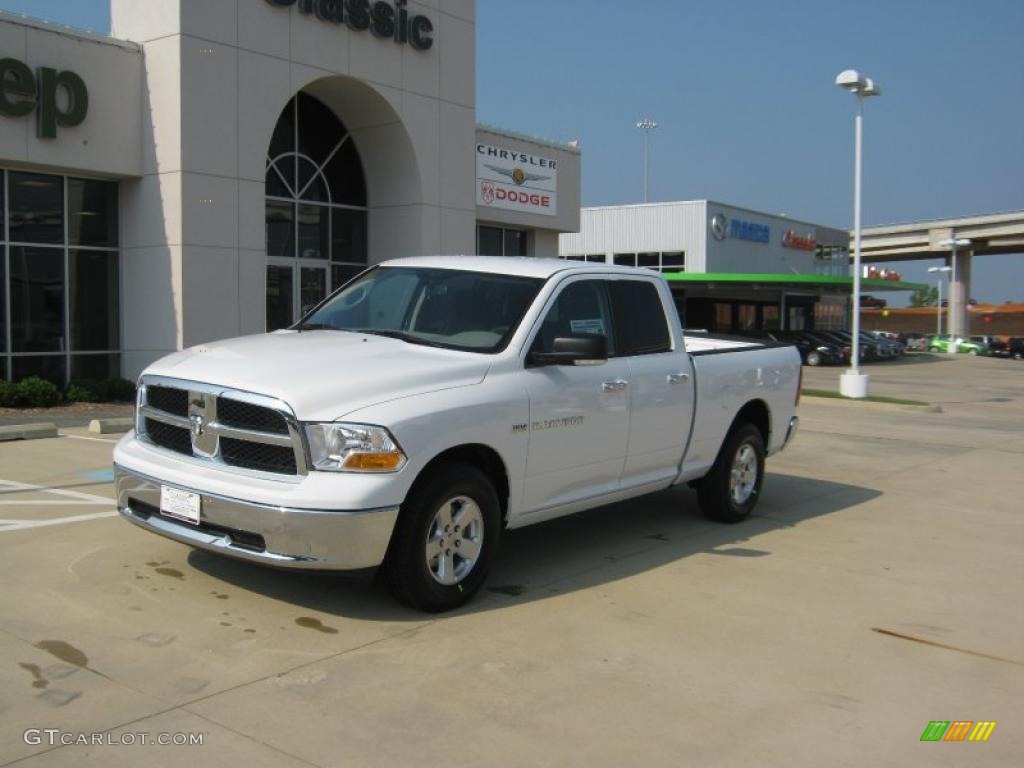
581	308
640	325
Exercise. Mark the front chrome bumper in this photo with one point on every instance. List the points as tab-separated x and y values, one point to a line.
260	533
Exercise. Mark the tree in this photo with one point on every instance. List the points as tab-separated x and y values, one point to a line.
925	297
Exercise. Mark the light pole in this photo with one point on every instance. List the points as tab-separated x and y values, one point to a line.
953	243
646	125
853	383
938	303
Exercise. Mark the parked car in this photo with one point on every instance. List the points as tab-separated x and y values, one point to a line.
1015	346
995	346
965	346
866	352
431	403
914	342
813	350
867	301
889	348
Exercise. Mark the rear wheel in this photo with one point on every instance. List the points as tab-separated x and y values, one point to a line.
729	492
813	358
445	539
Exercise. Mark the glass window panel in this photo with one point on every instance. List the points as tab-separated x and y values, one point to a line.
348	235
649	260
577	257
771	317
640	326
625	259
314	231
312	288
723	316
596	257
36	208
3	299
320	130
581	309
94	299
50	367
283	140
342	273
672	259
311	184
515	242
37	299
3	368
97	367
275	183
345	176
746	317
279	297
489	241
92	212
3	208
280	228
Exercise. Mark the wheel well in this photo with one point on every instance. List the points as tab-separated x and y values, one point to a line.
755	412
483	458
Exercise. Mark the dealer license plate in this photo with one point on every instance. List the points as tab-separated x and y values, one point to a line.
179	504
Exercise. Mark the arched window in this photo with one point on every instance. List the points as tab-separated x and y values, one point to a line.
316	209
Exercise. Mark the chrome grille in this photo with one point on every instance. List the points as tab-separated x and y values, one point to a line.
224	426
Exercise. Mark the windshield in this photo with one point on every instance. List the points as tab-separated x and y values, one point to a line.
455	309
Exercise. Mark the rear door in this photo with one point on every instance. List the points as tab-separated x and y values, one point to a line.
661	386
579	415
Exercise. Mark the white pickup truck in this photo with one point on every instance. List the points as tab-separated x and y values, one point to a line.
431	403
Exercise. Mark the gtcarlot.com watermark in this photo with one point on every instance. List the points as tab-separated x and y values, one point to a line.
55	737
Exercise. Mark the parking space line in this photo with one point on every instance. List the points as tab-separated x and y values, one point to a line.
23	524
93	439
62	502
15	486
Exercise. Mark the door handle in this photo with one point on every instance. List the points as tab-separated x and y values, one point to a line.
615	385
678	378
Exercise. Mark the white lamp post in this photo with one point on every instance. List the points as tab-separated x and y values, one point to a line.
646	125
938	304
953	243
853	383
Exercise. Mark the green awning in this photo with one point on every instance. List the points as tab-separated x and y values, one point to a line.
771	278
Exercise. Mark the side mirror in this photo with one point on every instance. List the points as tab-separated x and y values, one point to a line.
579	349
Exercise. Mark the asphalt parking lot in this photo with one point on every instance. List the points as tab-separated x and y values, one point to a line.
877	588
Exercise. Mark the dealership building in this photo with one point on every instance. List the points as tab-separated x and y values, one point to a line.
212	169
731	269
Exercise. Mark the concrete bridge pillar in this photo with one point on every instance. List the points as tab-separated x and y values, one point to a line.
960	292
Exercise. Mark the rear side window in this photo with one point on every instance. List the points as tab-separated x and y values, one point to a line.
640	326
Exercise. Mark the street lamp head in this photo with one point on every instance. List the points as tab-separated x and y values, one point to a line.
956	242
855	82
940	269
646	124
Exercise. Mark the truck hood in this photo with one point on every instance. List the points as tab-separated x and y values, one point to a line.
323	375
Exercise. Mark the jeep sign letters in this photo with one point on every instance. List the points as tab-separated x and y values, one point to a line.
20	93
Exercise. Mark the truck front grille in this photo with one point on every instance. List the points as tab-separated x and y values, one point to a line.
223	426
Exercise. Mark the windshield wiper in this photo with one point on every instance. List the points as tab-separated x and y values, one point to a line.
400	335
315	327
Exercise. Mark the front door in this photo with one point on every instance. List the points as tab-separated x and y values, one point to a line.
579	415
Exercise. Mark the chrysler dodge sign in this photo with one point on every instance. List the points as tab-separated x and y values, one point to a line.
516	181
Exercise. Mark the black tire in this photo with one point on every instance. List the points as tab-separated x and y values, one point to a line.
813	359
407	571
714	490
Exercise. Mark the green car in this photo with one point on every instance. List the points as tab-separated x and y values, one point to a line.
963	346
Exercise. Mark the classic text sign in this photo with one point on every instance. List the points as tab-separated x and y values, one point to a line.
516	181
383	19
21	91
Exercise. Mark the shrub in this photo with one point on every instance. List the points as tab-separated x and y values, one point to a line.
38	393
8	394
104	391
121	390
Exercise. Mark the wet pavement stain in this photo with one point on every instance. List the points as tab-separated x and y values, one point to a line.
225	623
155	563
251	631
222	597
64	652
58	698
33	669
172	572
310	623
155	639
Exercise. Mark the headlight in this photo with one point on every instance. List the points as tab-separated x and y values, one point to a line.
339	447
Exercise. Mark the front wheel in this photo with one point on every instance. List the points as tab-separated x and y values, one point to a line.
445	539
972	352
729	492
813	359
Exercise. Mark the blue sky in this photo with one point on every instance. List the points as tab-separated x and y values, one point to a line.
747	111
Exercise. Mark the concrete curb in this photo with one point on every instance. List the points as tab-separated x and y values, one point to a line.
842	401
111	426
28	431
